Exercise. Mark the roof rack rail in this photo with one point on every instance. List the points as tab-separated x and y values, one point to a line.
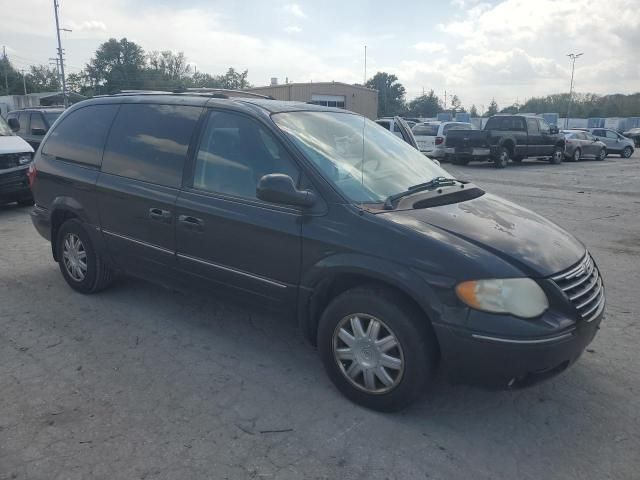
221	92
133	92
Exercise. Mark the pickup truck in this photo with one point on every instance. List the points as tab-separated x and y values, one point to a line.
504	138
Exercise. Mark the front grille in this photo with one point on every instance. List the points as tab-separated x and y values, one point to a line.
9	160
583	287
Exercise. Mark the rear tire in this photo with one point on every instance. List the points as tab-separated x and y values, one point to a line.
557	155
577	154
627	152
502	159
409	359
81	265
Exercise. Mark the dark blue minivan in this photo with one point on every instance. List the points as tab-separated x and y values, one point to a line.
392	268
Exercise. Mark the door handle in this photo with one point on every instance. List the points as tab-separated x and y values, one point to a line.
159	214
190	222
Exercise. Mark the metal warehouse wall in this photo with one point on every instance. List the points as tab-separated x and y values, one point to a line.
357	99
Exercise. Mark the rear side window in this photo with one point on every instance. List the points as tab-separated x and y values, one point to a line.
80	136
425	130
37	124
505	123
149	142
455	126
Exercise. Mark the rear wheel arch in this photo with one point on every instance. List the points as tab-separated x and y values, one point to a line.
58	217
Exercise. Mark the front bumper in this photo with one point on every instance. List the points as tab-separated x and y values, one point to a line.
498	362
14	184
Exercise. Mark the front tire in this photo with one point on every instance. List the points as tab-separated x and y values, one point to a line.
602	154
379	351
557	155
627	152
81	265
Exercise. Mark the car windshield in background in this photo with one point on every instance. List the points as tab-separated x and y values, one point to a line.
52	116
4	128
455	126
424	130
365	162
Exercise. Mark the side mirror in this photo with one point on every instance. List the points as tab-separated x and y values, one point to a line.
14	124
38	131
279	188
553	130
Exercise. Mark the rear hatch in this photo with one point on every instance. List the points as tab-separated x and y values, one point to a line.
463	141
425	136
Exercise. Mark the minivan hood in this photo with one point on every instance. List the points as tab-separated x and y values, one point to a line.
14	144
519	236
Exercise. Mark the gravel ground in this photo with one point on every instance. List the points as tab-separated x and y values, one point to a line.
142	383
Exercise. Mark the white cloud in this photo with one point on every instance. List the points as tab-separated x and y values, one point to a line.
295	10
88	26
293	29
430	47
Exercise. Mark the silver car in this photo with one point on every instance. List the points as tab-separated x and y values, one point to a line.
581	144
615	142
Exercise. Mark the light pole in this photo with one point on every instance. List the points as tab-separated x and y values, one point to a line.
61	53
573	57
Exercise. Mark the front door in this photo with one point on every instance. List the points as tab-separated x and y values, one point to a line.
224	233
534	145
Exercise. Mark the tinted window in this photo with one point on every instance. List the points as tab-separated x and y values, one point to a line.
599	133
505	123
384	123
425	130
532	125
51	117
37	123
150	142
544	126
235	152
455	126
612	135
80	136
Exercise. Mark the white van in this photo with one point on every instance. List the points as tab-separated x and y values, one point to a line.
15	157
431	136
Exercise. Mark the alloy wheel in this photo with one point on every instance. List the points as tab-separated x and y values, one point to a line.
74	257
626	153
368	353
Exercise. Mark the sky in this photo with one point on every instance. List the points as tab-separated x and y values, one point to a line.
509	50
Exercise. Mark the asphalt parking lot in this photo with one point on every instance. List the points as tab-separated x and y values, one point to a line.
143	383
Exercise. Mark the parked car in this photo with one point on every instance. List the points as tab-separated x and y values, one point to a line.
615	142
391	124
431	136
35	122
633	134
15	157
504	138
404	131
392	267
580	144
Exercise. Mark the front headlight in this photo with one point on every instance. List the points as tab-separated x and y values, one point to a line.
24	158
521	297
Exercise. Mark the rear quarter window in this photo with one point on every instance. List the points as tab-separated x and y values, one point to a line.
81	134
149	142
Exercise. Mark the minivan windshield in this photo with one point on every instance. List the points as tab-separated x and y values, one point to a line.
4	128
366	162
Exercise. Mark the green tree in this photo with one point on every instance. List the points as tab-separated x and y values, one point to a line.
511	109
117	65
473	112
456	104
425	105
41	78
235	80
493	108
390	93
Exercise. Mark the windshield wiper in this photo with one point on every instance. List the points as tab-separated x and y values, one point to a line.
433	183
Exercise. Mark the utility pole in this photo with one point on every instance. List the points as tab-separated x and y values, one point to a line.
573	57
365	66
24	81
445	99
5	68
60	54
